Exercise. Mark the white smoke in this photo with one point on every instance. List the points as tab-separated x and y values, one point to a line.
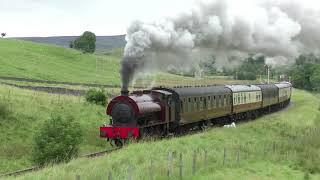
279	30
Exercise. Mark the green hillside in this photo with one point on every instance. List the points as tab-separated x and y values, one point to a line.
21	113
283	145
47	62
52	63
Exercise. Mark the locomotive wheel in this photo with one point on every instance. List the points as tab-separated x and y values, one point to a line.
118	142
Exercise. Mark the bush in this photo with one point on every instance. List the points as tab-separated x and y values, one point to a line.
96	96
246	76
4	110
57	140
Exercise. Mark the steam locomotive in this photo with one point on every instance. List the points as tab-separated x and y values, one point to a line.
160	110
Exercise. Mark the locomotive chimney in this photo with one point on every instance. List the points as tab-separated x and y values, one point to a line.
124	92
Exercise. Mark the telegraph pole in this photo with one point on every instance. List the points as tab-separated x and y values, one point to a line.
268	67
268	73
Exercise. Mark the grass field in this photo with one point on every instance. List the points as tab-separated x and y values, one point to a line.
283	145
22	111
52	63
47	62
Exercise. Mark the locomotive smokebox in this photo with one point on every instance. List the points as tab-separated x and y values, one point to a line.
124	92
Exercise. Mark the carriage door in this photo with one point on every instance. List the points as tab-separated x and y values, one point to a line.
171	106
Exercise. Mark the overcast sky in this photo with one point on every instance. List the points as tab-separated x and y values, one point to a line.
72	17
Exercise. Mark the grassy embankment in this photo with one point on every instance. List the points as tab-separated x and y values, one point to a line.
283	145
22	111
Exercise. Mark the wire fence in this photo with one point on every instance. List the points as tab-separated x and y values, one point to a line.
182	165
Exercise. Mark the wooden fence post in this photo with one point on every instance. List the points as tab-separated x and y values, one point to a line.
110	175
151	169
77	177
169	172
205	158
224	156
238	155
180	167
130	173
194	162
274	147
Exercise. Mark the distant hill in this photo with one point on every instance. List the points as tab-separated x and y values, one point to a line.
103	42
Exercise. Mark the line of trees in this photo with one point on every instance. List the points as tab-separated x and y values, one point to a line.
250	68
305	73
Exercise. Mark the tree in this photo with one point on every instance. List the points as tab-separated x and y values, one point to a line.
57	140
315	79
303	71
3	35
208	65
71	45
251	67
86	42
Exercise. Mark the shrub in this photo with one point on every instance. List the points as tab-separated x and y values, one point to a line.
57	140
96	96
246	76
4	110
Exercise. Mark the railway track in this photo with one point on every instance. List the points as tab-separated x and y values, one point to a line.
36	168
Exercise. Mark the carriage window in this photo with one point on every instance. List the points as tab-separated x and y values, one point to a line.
197	103
222	100
217	102
181	106
189	105
227	97
212	102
